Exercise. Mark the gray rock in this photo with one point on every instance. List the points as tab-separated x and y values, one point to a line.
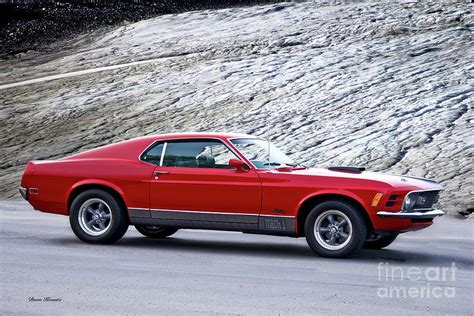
388	86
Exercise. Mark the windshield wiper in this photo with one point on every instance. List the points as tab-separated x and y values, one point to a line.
297	165
292	165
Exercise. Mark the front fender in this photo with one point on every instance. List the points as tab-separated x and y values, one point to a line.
338	192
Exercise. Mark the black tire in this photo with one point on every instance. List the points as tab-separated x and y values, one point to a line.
355	228
155	231
117	224
380	241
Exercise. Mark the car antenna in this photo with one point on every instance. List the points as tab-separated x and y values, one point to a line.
268	142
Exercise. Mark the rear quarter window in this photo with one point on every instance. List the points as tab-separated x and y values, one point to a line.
153	155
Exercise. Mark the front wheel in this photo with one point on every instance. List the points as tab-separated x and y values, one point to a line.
155	231
380	242
335	229
97	217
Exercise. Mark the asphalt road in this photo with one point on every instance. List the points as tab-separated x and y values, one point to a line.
208	272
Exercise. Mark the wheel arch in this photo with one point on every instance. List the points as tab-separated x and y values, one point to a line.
308	203
108	187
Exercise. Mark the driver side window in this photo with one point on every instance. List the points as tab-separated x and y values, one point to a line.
219	152
197	154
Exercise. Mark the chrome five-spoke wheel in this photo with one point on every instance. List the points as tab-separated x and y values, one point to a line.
333	230
95	216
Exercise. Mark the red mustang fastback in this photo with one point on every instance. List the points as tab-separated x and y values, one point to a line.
234	182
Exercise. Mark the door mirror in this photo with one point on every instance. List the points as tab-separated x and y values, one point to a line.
238	164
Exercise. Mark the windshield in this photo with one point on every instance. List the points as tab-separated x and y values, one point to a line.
256	150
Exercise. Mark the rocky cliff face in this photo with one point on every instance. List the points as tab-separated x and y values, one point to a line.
388	86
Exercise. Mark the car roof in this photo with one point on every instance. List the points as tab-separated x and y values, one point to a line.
131	148
199	135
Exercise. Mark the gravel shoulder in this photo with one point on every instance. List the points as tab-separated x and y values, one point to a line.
45	26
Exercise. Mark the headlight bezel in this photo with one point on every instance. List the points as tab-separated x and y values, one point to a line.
413	198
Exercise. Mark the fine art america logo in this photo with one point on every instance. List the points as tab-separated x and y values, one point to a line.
416	282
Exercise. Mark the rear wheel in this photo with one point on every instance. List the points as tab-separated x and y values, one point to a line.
380	241
97	217
335	229
155	231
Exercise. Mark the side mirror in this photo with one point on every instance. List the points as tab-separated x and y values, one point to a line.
238	164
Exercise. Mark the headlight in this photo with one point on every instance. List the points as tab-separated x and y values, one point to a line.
420	200
409	202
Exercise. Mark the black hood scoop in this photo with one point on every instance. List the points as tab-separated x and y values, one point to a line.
347	169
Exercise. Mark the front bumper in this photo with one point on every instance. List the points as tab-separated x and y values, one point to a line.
24	193
426	215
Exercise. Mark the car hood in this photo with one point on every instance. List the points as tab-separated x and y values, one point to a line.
396	181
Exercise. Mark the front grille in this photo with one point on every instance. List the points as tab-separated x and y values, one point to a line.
425	200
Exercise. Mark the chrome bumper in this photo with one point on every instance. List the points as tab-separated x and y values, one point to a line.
24	193
427	215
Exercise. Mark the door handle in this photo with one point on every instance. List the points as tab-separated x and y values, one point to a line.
157	173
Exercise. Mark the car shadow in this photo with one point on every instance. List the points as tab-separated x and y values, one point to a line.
288	250
280	250
220	246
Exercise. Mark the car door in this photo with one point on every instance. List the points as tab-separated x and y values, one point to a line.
194	182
